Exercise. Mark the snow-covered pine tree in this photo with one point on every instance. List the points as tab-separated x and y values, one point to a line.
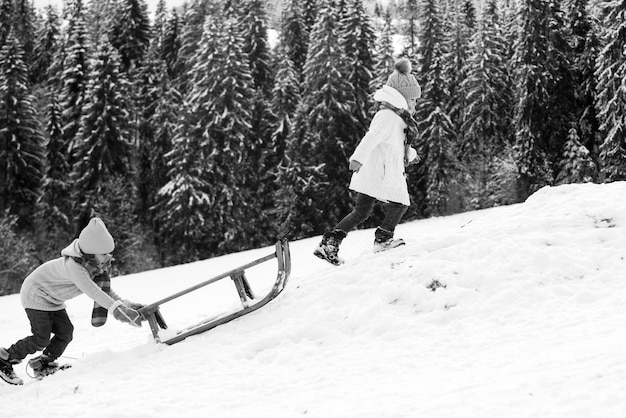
325	129
487	126
54	206
54	209
171	45
576	163
74	77
585	49
221	99
6	22
310	11
410	16
100	16
294	36
191	34
261	158
24	23
182	201
21	137
151	78
47	47
431	179
253	23
285	99
532	96
561	87
383	56
357	38
104	152
130	33
461	19
611	99
158	28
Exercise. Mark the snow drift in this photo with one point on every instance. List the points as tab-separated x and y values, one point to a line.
509	312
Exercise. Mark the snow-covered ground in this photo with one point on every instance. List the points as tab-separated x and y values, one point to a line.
528	322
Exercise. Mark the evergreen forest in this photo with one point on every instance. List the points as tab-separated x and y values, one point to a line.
224	125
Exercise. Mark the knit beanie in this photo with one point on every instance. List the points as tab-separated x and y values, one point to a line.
403	81
95	239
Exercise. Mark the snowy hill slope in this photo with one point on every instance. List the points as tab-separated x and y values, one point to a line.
509	312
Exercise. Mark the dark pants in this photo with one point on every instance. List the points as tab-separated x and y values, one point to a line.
42	325
363	209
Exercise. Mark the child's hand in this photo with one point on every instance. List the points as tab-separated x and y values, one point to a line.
355	166
127	314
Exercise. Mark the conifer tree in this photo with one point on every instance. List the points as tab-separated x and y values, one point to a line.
25	29
56	188
54	220
171	45
487	125
6	20
532	92
183	202
74	77
383	56
104	152
585	49
326	132
130	33
256	44
357	39
461	19
21	137
576	163
221	97
431	179
611	100
47	47
310	11
295	36
411	31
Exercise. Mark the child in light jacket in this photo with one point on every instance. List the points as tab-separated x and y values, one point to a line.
82	268
379	163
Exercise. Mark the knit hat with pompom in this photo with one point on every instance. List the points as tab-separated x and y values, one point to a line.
95	239
403	81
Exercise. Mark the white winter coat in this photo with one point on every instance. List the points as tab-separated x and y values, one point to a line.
381	152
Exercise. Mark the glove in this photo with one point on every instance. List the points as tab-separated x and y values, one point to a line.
125	313
355	166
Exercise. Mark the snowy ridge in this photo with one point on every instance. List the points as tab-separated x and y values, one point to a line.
509	312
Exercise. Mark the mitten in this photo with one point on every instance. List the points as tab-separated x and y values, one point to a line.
136	306
124	313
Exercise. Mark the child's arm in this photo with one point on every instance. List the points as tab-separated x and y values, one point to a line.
377	132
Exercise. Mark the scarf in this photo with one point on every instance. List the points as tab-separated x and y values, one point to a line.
101	277
410	132
99	313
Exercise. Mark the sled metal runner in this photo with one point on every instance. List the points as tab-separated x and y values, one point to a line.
249	301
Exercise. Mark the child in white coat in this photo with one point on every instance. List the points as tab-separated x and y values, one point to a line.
379	163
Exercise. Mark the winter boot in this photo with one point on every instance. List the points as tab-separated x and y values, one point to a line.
43	366
6	369
383	240
329	246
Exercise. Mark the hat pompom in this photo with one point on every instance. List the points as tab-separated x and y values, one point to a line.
95	238
403	65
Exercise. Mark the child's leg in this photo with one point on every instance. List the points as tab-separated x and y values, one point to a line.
362	210
393	213
63	331
41	328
